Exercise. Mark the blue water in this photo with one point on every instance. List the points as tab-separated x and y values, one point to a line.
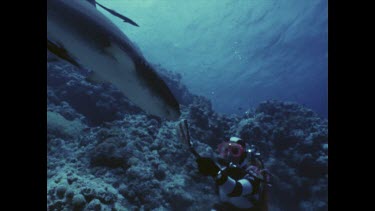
236	53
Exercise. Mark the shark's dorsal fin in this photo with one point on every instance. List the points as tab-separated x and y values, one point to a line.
93	2
61	52
125	19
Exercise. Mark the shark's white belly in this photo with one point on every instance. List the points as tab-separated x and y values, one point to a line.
112	65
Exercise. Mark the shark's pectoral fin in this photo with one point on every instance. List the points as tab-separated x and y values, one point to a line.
61	52
95	78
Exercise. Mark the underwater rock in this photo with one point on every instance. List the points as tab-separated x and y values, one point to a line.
65	110
181	200
78	202
106	197
58	126
69	194
94	205
60	191
107	154
57	205
160	172
88	193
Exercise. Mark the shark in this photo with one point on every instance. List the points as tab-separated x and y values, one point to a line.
81	35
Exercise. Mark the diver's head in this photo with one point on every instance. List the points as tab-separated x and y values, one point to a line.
233	150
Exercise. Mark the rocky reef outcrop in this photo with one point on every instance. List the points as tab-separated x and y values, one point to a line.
104	153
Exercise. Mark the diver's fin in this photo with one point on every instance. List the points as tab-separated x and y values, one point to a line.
125	19
183	132
93	2
61	52
184	136
94	78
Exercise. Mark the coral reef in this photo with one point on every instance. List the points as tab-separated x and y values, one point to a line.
294	143
104	153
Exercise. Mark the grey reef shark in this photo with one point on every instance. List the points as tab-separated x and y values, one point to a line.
81	35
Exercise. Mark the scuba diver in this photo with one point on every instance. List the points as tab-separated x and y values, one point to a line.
241	180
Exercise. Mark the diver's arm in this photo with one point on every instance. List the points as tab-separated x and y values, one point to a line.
207	166
236	188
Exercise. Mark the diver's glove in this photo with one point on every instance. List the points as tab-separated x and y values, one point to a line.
207	167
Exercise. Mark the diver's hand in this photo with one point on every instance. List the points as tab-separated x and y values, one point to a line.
207	167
